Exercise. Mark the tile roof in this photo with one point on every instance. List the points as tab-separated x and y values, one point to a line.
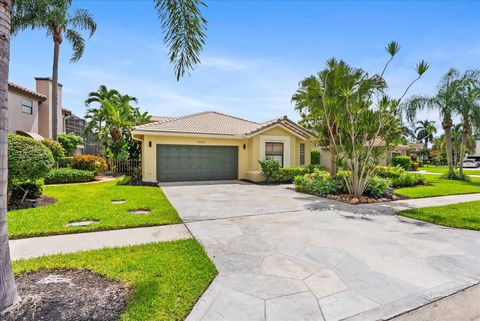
27	91
215	123
155	119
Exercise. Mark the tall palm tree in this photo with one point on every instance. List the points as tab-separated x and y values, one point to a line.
54	16
444	101
184	34
8	291
425	131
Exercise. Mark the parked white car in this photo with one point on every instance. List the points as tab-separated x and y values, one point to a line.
470	163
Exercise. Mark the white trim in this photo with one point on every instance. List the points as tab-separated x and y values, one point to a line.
153	133
277	125
276	139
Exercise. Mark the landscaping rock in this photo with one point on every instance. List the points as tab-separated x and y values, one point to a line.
71	295
354	201
395	198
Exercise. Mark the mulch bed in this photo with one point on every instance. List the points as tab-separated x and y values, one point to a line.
73	295
29	203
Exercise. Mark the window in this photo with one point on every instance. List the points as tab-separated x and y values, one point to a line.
27	106
302	154
274	151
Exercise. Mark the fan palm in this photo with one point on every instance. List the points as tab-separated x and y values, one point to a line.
54	16
425	131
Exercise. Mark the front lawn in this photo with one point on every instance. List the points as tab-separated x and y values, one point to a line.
92	202
462	215
440	187
166	278
444	170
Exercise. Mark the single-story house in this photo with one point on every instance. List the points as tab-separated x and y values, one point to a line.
214	146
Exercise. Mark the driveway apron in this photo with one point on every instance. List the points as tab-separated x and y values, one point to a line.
282	255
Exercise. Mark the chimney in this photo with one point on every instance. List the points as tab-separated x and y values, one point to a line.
44	87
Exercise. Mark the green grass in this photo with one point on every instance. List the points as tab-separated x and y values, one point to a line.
443	170
85	202
440	187
166	278
462	215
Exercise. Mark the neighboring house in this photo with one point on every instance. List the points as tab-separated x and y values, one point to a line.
30	111
215	146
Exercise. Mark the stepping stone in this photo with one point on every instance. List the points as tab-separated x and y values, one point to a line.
140	211
81	223
119	201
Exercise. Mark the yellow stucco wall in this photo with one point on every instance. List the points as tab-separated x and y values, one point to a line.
248	157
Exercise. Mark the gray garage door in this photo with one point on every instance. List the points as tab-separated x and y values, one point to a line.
196	163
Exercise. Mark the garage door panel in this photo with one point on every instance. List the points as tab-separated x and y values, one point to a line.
189	163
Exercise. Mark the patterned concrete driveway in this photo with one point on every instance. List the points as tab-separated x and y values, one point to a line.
282	255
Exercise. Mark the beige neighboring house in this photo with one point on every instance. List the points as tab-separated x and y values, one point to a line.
214	146
29	111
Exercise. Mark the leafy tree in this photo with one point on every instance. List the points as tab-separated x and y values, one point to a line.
362	123
56	19
69	142
184	34
113	120
425	131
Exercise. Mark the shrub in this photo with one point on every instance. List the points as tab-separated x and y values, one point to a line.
377	186
403	161
316	167
65	162
269	168
320	183
288	174
28	159
69	142
315	157
456	176
68	175
399	177
89	163
33	189
55	147
389	171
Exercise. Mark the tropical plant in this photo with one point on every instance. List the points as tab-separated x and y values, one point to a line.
55	17
111	122
444	101
362	123
69	142
184	34
425	131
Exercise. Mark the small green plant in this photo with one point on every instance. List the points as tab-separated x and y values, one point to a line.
319	183
288	174
68	175
377	186
269	168
404	162
315	157
69	142
30	190
456	176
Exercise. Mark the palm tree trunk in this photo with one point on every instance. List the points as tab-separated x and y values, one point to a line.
447	127
8	290
463	144
56	52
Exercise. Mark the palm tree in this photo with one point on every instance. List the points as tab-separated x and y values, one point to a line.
55	18
8	291
425	131
444	101
184	34
456	143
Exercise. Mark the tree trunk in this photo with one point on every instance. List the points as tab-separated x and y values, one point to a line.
463	144
57	40
8	290
447	127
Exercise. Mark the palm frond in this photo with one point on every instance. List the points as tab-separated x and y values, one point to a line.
82	19
77	42
184	30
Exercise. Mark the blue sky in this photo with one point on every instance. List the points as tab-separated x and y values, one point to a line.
256	52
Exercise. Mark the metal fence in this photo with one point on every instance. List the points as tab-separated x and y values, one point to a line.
123	166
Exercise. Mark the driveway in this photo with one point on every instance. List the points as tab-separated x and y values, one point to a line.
282	255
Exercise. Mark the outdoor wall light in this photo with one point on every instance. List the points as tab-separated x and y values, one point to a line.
150	144
244	146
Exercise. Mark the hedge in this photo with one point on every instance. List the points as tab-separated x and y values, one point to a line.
55	147
403	161
65	162
68	175
92	163
288	174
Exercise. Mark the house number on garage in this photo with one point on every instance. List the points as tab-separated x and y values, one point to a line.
201	141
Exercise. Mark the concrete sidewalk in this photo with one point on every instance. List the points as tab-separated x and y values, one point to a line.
47	245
